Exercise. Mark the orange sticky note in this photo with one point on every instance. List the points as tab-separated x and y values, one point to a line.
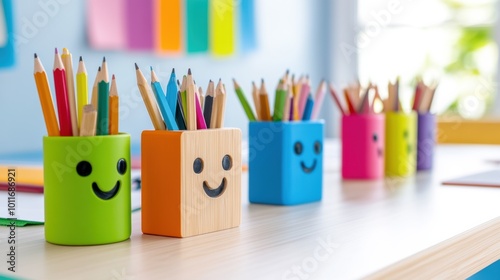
168	25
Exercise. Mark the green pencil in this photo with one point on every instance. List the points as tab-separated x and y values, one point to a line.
279	101
244	102
183	89
103	101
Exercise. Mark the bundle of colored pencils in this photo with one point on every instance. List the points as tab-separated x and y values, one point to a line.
77	117
357	99
293	100
184	108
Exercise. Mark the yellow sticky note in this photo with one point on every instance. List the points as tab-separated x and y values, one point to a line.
222	17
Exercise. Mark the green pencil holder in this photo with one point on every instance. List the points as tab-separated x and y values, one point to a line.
87	189
400	144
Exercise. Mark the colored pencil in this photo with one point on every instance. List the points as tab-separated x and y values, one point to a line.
208	106
397	106
183	88
202	97
264	103
179	114
82	91
350	106
288	105
256	100
42	85
172	93
62	97
364	105
304	93
220	102
89	118
94	100
190	112
297	89
336	99
149	101
417	98
103	101
114	108
200	119
243	101
161	99
308	108
279	101
318	100
67	60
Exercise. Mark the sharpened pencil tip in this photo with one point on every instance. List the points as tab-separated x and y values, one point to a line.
81	59
99	69
103	59
57	51
173	70
113	77
262	80
36	56
189	71
136	67
151	68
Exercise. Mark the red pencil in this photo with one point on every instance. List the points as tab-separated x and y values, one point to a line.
337	100
62	97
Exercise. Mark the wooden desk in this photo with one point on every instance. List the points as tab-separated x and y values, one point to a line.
397	226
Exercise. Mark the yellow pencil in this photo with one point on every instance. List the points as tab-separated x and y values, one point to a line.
82	90
149	100
67	60
42	85
113	107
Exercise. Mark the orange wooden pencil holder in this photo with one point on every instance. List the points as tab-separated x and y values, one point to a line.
191	181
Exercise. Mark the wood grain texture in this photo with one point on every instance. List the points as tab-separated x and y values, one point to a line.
358	229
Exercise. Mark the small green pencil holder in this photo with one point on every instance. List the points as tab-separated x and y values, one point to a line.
87	189
400	144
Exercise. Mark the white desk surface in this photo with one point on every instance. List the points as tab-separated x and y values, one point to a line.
372	225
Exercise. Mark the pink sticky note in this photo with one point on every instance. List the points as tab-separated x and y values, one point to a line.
140	24
106	24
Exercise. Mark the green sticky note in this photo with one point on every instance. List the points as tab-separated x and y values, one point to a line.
222	24
197	26
18	223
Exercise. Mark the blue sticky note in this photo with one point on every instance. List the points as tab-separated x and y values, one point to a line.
7	57
490	272
248	41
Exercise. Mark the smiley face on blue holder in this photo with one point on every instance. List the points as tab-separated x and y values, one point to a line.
285	162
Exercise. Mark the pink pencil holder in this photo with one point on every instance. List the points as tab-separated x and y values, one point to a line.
363	146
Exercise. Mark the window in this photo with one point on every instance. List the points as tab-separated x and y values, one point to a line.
447	40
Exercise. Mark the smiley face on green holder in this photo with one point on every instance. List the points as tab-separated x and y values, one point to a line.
87	189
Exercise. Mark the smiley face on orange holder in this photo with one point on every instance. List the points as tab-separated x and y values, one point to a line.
191	181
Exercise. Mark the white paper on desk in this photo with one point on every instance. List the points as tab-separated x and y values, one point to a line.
29	206
3	26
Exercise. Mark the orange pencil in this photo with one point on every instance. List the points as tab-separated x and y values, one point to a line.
42	85
113	107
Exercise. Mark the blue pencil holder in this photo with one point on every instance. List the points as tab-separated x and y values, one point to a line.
285	162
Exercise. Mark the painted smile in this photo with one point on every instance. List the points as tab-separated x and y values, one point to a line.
214	192
308	169
105	195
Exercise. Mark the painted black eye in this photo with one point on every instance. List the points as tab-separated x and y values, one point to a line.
405	134
375	137
298	148
84	168
198	165
317	147
227	162
121	166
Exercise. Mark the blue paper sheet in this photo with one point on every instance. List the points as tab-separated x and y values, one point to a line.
7	58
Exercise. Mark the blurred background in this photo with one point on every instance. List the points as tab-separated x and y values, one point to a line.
450	41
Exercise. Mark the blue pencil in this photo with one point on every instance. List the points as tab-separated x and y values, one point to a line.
308	108
172	93
168	118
